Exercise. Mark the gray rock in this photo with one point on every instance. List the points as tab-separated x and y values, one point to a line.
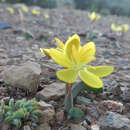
26	127
25	76
52	91
44	126
114	121
95	127
4	126
43	105
92	112
47	115
77	127
110	105
47	112
126	110
126	95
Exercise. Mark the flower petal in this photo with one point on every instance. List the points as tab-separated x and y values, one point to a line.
101	71
60	58
86	60
45	51
90	79
72	44
87	53
60	43
89	49
67	75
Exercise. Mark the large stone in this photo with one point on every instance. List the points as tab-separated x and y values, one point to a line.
126	95
110	105
26	127
114	121
48	115
95	127
52	91
77	127
126	110
43	105
26	76
47	112
44	126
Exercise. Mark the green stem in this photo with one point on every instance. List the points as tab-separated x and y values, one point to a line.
68	103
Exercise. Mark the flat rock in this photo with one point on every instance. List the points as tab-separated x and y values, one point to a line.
95	127
92	112
27	127
44	126
126	95
77	127
60	116
26	76
48	115
52	91
43	105
126	110
110	105
114	121
47	112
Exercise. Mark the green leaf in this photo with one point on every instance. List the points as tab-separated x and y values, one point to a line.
76	113
1	116
6	108
20	103
77	88
81	86
36	112
31	105
12	104
8	119
83	100
28	35
33	117
9	113
17	123
19	114
31	108
2	104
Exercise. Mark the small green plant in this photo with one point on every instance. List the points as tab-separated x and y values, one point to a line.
16	113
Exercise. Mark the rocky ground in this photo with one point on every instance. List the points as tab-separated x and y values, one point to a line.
20	57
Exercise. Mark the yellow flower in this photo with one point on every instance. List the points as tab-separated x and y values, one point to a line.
60	47
46	16
115	27
94	16
35	12
11	10
119	28
24	8
75	59
125	28
45	52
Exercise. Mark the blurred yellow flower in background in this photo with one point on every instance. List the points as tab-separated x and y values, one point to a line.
119	28
35	12
11	10
94	16
24	8
46	16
